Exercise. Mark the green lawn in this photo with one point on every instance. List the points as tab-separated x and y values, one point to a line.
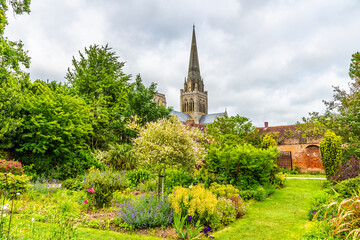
282	216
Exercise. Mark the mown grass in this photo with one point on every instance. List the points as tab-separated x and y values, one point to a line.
282	216
27	229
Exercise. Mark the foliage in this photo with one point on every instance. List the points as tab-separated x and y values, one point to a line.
138	176
142	104
342	112
104	183
98	77
118	157
12	58
320	207
11	166
316	230
280	179
347	188
331	153
350	168
145	211
267	141
230	192
178	177
198	202
17	183
347	221
192	231
312	127
225	213
225	190
75	184
168	142
243	166
233	130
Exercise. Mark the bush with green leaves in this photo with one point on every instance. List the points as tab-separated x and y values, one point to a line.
331	153
320	209
117	157
138	176
243	166
225	213
16	183
103	185
267	141
178	177
347	188
75	184
145	211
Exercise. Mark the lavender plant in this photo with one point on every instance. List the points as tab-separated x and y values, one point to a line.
146	211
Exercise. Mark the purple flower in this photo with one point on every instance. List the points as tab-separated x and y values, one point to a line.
189	218
211	237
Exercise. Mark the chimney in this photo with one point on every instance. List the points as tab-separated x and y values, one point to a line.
266	124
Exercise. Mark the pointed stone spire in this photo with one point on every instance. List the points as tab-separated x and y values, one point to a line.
194	68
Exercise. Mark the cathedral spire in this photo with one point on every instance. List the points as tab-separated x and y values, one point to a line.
194	68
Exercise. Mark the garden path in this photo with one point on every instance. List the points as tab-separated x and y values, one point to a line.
281	216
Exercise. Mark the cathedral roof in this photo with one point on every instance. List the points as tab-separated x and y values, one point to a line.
183	117
210	118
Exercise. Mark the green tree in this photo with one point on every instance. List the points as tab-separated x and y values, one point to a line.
99	79
55	129
331	153
233	130
142	105
342	113
168	142
267	141
12	58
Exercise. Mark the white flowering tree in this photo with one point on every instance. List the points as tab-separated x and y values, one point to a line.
169	142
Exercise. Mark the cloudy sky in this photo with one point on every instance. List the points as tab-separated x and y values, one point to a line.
268	60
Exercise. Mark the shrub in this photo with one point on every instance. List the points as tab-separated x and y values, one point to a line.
226	211
267	141
225	190
13	167
320	208
177	177
243	166
104	183
331	153
118	157
145	211
75	184
231	193
349	169
196	201
138	176
348	188
280	179
347	221
17	183
148	186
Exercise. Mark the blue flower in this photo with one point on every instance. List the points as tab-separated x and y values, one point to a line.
189	218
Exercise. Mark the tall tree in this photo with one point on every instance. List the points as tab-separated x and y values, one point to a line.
343	111
99	79
142	105
12	58
233	130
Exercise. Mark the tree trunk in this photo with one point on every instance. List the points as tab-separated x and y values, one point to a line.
159	184
163	185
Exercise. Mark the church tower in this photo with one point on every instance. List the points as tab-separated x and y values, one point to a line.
193	98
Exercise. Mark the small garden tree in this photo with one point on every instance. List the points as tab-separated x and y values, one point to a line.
168	142
331	153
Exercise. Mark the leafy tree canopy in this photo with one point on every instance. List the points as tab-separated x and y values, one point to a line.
142	104
98	78
233	130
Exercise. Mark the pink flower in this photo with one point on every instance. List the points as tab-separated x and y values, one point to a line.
86	202
91	190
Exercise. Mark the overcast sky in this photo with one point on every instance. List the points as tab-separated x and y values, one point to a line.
268	60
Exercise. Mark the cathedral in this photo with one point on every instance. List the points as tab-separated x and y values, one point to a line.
194	98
